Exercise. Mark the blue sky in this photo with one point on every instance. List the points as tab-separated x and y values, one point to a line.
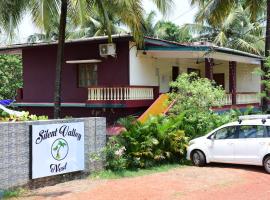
182	13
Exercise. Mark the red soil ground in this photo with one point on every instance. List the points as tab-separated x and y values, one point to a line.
213	182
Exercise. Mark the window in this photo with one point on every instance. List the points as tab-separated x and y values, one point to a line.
268	131
226	133
252	131
87	75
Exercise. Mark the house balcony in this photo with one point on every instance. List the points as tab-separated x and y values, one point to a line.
126	96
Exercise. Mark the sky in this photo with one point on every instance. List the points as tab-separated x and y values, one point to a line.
182	13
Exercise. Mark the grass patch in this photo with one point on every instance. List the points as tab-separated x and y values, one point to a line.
7	194
108	174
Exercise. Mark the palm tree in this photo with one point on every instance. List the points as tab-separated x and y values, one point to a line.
165	29
149	25
236	31
214	12
130	12
169	31
92	26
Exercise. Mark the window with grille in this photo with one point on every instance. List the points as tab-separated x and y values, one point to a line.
87	75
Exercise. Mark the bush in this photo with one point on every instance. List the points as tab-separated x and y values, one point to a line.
115	159
5	117
157	141
194	97
10	76
192	92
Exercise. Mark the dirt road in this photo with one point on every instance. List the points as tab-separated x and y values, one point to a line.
212	182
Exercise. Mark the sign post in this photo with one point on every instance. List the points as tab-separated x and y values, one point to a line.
57	149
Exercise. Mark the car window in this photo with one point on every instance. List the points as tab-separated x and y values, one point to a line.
226	133
268	131
251	131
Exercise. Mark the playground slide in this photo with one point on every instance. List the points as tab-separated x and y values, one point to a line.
157	108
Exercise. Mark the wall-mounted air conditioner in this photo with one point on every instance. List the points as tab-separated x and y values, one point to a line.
106	50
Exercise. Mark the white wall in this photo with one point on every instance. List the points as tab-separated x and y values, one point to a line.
141	69
247	80
148	71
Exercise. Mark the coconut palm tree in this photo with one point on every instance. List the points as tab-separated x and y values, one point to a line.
92	26
130	12
236	31
149	24
214	11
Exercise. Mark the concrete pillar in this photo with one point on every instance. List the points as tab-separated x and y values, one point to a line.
232	80
209	64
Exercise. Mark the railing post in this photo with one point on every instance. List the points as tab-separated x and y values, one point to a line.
232	81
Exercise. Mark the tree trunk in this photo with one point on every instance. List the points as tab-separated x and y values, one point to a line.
60	59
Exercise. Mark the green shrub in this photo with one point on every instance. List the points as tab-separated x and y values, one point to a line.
193	93
194	97
115	159
5	117
157	141
10	76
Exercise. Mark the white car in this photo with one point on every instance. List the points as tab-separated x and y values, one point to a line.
244	142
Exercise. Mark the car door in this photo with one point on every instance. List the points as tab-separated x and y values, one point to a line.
251	144
221	147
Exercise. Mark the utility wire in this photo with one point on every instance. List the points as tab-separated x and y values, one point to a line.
183	14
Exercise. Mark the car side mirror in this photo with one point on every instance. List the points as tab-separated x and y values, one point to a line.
212	138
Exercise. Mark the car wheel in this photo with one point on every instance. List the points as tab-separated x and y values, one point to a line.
198	158
266	164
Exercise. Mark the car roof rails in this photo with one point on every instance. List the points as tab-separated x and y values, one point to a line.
250	117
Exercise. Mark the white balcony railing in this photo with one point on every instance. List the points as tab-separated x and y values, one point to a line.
227	100
247	98
242	98
120	93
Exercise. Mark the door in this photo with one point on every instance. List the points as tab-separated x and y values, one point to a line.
175	73
221	147
219	79
251	145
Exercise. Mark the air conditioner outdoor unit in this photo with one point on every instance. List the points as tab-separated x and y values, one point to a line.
106	50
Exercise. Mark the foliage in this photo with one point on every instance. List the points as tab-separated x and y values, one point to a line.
115	159
234	24
237	32
157	141
10	76
82	14
264	72
192	92
214	11
170	31
7	194
149	24
193	99
109	174
25	117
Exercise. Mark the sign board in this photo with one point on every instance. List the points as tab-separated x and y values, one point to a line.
57	149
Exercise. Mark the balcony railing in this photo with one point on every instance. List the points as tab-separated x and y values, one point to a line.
247	98
227	100
242	98
120	93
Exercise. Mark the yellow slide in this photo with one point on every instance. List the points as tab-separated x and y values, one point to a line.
158	107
